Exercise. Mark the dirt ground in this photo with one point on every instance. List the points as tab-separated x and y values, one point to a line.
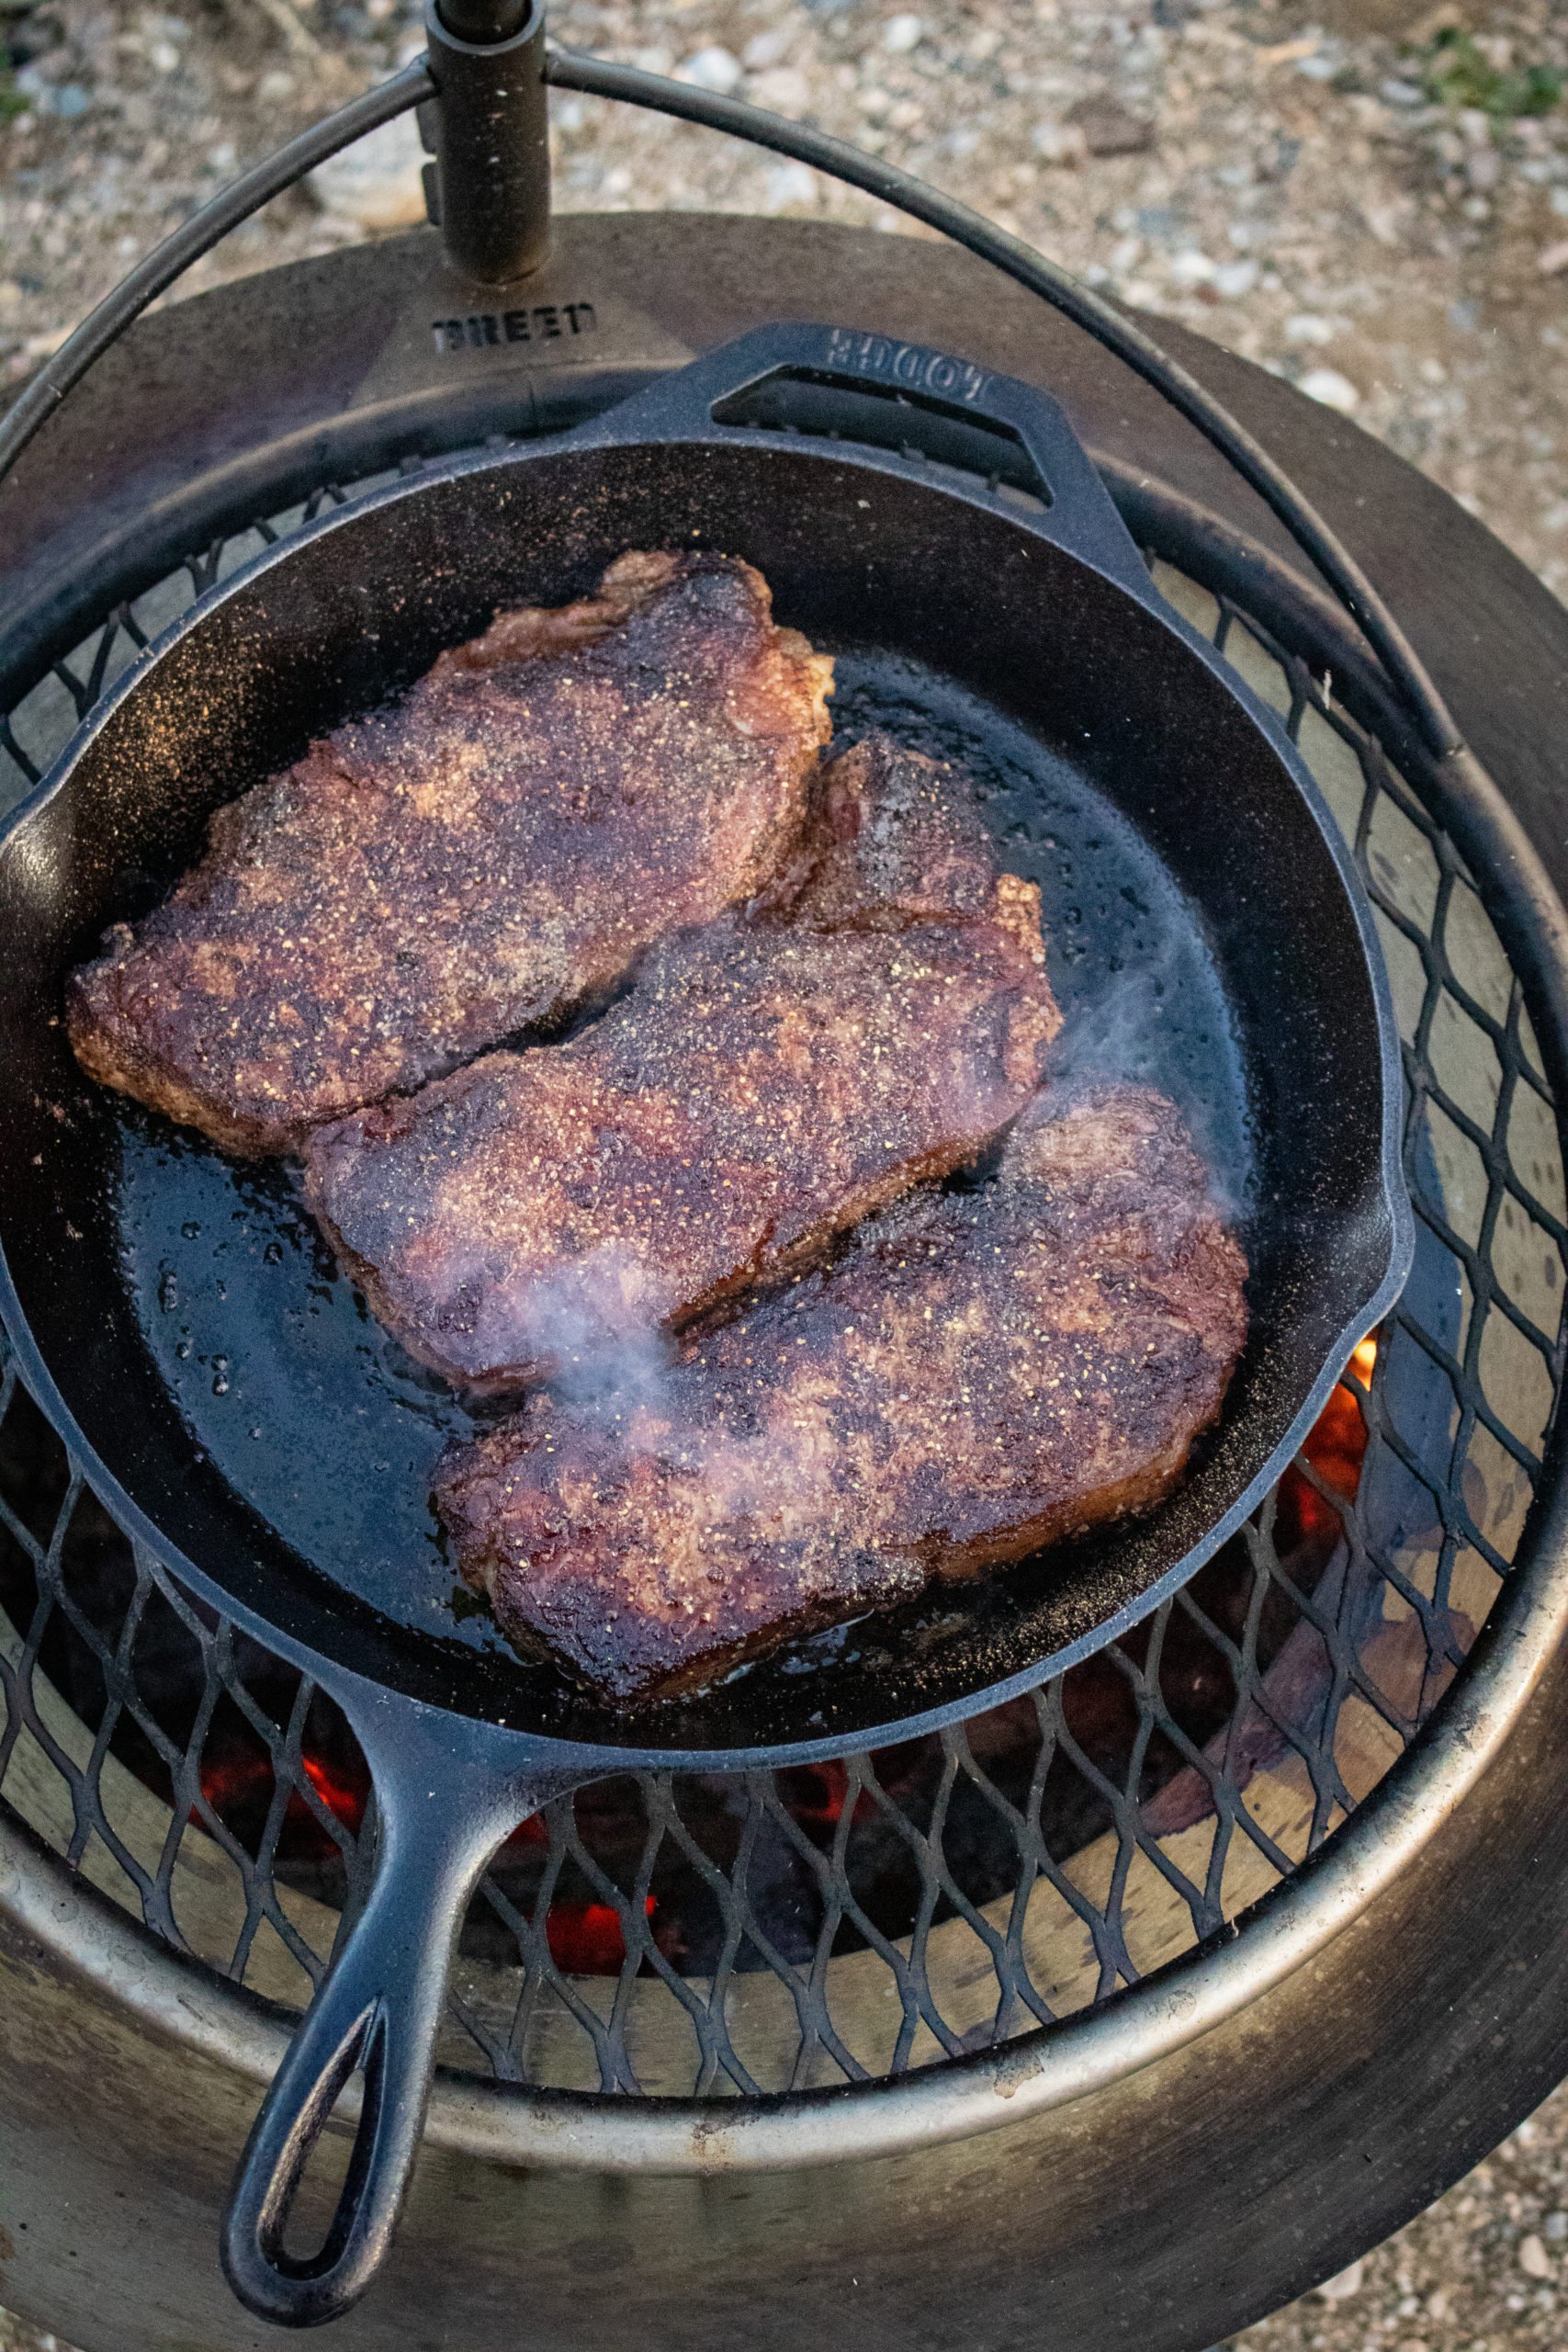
1370	196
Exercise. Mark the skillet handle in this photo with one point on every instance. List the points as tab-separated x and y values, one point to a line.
377	2009
1078	512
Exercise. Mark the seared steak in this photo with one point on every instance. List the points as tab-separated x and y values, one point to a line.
981	1373
501	846
768	1081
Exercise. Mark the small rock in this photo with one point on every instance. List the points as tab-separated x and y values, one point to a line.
1110	128
1556	2224
783	90
1484	167
275	88
788	184
1534	2259
1335	390
1384	221
378	182
901	33
1401	94
1059	142
1234	279
712	69
764	49
1548	262
66	99
1305	326
1191	267
1339	2289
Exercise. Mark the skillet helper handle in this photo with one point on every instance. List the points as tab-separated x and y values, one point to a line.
1078	511
377	2011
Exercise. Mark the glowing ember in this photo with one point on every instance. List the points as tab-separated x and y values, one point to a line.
340	1795
587	1938
1334	1450
239	1785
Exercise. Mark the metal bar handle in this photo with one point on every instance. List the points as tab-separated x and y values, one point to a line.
489	188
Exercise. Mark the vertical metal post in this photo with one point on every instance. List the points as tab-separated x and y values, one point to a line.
489	188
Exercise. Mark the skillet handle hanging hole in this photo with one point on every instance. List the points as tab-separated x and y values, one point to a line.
376	2013
794	377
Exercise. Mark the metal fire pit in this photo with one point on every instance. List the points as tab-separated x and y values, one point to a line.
1097	1976
705	1936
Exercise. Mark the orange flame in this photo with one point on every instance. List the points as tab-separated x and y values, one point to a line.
587	1938
1336	1448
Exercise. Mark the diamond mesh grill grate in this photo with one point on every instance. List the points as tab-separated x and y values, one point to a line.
763	1931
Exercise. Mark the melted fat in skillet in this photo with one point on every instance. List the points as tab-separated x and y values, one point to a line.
501	844
980	1374
770	1079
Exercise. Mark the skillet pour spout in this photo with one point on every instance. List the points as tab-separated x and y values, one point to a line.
939	529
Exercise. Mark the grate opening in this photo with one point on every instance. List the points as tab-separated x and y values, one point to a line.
726	1936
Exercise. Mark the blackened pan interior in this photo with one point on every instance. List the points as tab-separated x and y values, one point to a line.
1201	934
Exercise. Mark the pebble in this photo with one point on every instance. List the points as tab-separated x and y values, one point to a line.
1335	390
1191	268
1110	128
376	183
783	89
712	69
1058	143
791	187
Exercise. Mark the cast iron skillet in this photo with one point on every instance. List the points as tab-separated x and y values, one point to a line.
242	1416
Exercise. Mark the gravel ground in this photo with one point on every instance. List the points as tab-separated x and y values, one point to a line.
1371	196
1346	190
